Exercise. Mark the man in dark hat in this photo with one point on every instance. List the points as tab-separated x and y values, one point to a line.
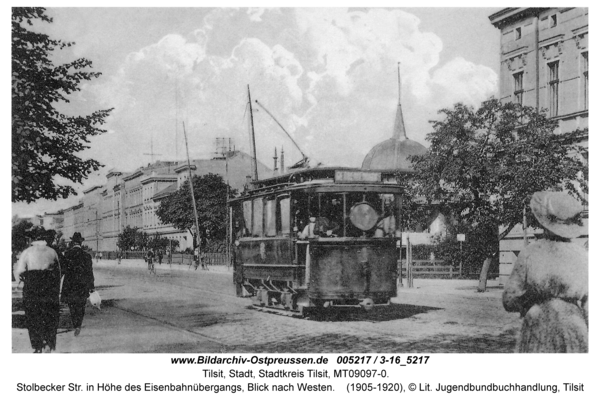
78	282
39	268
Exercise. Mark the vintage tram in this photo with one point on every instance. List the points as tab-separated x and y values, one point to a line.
316	238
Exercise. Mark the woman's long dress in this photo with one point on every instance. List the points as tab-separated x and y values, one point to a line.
549	287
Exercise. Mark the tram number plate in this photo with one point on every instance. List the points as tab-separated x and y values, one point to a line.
357	176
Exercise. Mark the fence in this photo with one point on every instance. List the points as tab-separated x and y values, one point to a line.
210	258
430	269
440	269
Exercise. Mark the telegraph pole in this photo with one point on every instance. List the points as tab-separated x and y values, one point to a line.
191	184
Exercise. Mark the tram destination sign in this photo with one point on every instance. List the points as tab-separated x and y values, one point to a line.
357	176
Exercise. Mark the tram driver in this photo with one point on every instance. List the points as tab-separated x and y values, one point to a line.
386	227
319	226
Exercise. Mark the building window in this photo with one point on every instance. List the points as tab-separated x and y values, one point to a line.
584	76
518	87
552	20
553	81
518	33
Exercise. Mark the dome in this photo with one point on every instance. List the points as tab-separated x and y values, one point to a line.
392	154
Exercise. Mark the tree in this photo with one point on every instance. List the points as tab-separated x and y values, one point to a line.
126	238
484	165
162	243
45	142
20	236
210	192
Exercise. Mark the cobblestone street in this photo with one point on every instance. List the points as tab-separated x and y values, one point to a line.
181	310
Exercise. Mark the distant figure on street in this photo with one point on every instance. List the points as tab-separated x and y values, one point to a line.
78	283
150	260
160	257
39	268
549	282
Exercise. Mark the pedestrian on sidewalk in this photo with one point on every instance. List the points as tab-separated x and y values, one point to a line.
78	283
160	256
39	268
549	282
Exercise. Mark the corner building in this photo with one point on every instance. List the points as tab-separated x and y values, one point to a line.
544	55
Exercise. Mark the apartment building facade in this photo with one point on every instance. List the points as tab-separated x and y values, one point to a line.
544	55
132	198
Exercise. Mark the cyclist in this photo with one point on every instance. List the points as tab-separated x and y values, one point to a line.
150	261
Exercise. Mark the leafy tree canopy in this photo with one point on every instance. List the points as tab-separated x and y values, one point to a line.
20	235
128	238
484	165
210	192
45	142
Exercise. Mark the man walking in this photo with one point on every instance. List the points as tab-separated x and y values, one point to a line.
78	282
39	268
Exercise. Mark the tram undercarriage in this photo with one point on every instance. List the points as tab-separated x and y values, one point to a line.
281	295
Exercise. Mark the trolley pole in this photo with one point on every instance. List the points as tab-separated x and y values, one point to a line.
254	161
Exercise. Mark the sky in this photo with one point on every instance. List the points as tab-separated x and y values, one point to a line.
329	76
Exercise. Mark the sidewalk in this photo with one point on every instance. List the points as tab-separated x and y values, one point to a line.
110	329
455	287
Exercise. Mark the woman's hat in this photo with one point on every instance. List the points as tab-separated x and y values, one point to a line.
77	237
559	213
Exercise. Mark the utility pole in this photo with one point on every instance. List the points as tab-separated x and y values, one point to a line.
97	233
187	151
254	161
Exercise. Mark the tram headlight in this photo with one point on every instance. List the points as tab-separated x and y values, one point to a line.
363	216
237	242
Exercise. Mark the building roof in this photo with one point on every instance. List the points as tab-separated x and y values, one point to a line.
165	192
512	14
159	178
393	153
87	191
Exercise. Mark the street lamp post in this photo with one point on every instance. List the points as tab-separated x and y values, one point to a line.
461	239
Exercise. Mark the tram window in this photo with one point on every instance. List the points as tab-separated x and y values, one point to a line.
239	225
270	218
388	208
257	221
247	209
299	208
283	216
330	221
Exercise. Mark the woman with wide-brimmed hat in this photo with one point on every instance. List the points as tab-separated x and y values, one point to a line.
549	282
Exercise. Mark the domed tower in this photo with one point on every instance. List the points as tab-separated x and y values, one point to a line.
393	153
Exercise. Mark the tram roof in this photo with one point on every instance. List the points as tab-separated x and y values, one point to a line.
343	177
